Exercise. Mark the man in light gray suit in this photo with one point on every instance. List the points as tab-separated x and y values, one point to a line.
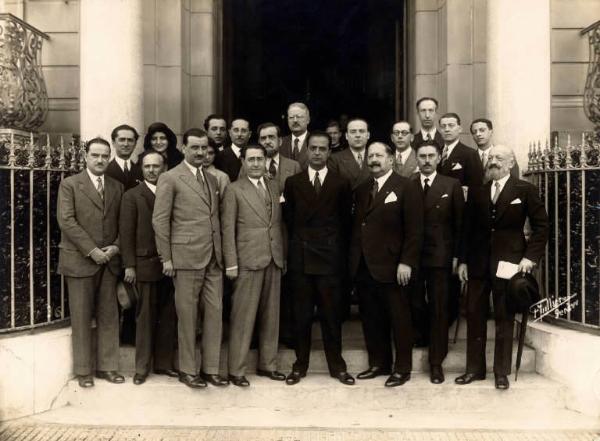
405	162
188	239
253	253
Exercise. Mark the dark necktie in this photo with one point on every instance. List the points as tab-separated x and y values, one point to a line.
317	183
273	168
374	191
444	154
125	168
428	137
426	186
295	150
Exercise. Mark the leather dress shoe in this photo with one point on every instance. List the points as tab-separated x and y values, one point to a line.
372	372
168	372
469	378
139	379
214	379
502	382
193	381
436	375
397	379
85	381
239	381
344	378
271	375
110	376
294	377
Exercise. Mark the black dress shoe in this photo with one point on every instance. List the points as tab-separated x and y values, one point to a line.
195	382
111	376
240	381
85	381
469	378
294	377
271	375
502	382
139	379
436	375
397	379
214	379
168	372
344	378
372	372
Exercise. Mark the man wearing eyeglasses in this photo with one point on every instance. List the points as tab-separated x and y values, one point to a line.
405	161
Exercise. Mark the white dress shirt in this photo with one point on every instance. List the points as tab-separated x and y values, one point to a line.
94	179
502	182
300	138
381	180
274	158
237	150
431	133
312	173
404	155
431	177
450	147
123	162
152	187
361	153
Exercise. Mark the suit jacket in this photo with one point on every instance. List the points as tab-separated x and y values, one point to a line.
344	164
491	234
418	140
86	222
222	178
287	167
229	163
409	167
251	238
318	226
138	247
186	220
129	180
286	150
463	164
387	234
443	213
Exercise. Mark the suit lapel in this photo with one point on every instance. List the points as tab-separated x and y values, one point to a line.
382	194
186	175
250	193
110	193
506	196
434	193
147	195
87	187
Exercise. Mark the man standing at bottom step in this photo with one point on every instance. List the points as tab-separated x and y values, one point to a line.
493	250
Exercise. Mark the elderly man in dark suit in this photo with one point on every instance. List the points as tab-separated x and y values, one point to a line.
443	203
155	309
405	163
122	168
188	239
253	254
88	217
426	111
493	249
385	250
317	212
351	163
293	146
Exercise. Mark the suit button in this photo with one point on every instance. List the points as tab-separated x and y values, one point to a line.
363	224
493	229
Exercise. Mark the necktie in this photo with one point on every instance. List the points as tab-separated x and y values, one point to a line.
428	137
296	148
374	191
317	183
265	195
496	192
426	186
100	188
359	160
399	160
484	159
126	168
444	154
273	168
202	181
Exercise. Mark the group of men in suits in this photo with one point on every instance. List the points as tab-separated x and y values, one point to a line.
300	225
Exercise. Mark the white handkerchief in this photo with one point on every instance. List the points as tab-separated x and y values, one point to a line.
457	166
281	199
445	195
516	201
391	198
506	270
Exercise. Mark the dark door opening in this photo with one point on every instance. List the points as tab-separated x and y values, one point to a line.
340	57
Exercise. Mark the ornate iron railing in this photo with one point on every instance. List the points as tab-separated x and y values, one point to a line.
32	294
568	178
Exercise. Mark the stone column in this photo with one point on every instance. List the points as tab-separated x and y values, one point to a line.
111	70
518	73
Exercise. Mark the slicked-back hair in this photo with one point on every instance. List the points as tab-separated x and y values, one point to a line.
252	146
237	118
400	122
451	115
199	133
115	131
213	116
96	140
299	104
427	98
319	134
358	118
389	149
428	144
486	121
268	125
148	153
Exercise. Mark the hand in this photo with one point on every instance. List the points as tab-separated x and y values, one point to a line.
168	269
129	275
463	273
455	265
111	251
403	274
99	256
526	265
231	273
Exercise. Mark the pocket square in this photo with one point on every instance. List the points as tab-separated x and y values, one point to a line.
445	195
281	199
391	198
457	166
515	201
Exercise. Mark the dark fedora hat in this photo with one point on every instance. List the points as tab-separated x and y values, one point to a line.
522	292
126	294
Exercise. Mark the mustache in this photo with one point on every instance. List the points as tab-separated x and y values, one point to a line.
493	166
372	164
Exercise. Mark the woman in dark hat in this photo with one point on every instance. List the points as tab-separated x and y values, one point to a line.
161	138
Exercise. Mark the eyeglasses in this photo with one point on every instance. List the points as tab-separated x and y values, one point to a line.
401	132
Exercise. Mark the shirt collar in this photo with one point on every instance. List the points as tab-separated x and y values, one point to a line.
122	163
360	152
274	158
431	132
431	178
405	154
94	178
301	139
256	181
152	187
193	169
501	181
450	147
237	150
312	172
381	180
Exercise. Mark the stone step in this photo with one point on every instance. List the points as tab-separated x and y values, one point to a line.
531	393
356	358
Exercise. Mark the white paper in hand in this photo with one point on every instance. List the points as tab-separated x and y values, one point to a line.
506	270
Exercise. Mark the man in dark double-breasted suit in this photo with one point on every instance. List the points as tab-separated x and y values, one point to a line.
351	163
88	217
155	308
493	249
386	244
443	204
317	210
